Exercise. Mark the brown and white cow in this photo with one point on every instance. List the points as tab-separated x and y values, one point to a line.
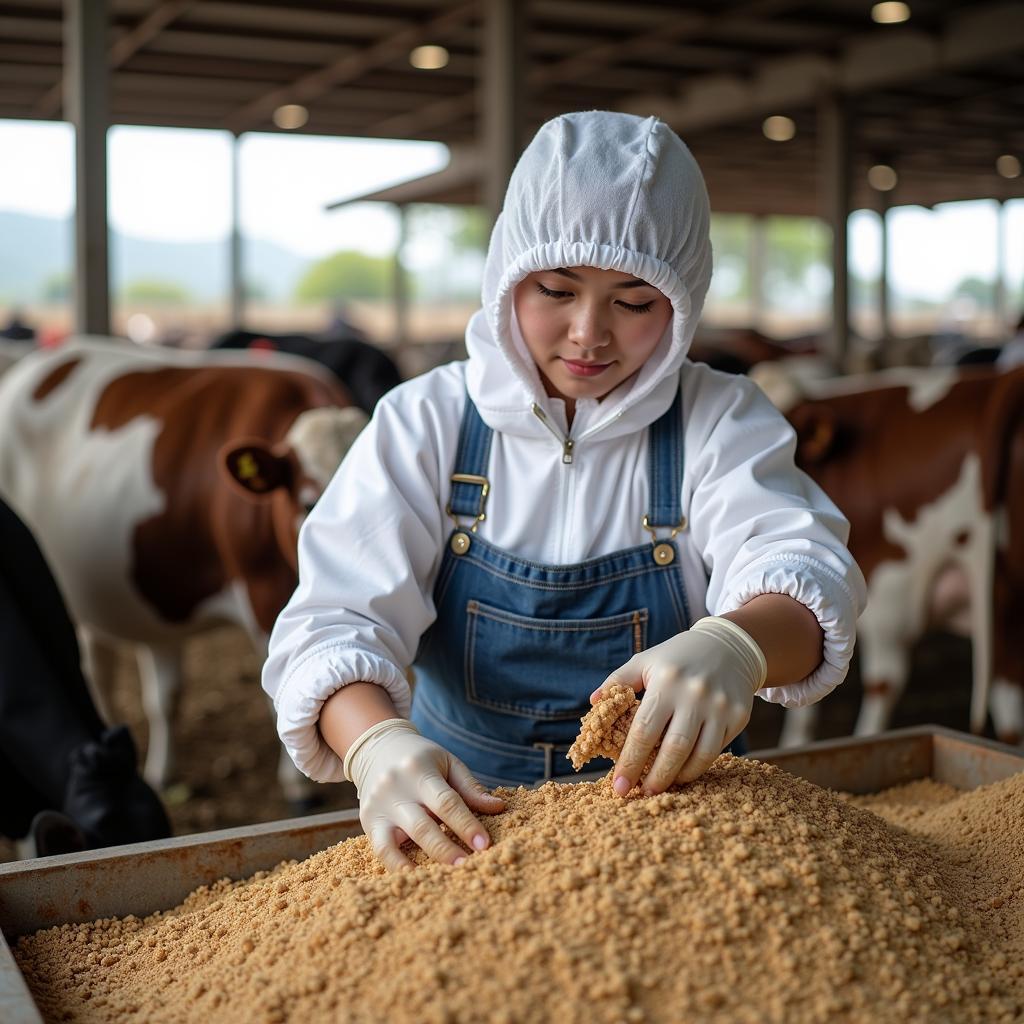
928	465
166	490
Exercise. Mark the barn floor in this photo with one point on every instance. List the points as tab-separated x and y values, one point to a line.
227	745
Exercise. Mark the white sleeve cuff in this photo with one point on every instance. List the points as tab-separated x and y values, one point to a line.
321	671
827	595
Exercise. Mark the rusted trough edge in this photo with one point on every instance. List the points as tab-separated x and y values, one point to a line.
145	877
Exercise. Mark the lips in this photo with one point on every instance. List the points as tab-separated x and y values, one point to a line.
585	369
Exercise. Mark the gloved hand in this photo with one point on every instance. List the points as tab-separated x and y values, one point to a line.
406	783
700	688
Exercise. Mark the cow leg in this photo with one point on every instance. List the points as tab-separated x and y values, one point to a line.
798	726
884	669
99	666
1006	702
893	618
160	673
880	698
978	563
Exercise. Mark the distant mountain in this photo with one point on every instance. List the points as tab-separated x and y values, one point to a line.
32	249
35	249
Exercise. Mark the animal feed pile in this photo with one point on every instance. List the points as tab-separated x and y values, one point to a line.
749	896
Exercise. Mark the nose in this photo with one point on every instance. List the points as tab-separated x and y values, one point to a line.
588	330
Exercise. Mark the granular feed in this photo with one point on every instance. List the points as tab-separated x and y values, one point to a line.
604	727
749	895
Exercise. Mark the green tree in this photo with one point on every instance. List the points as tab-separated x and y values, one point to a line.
151	291
795	244
346	275
730	242
981	291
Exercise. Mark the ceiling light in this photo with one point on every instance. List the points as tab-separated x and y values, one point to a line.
882	177
778	128
428	58
890	13
1008	166
291	116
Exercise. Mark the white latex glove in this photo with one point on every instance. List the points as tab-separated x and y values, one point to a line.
700	688
406	784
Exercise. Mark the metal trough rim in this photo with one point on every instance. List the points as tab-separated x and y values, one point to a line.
894	757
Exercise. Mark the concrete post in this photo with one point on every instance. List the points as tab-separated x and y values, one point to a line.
502	108
86	105
836	152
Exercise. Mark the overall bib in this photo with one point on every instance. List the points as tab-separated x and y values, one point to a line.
504	674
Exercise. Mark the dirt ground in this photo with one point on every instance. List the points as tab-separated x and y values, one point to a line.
228	748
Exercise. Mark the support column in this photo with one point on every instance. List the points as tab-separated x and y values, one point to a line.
86	105
236	275
1005	328
503	95
758	259
884	318
835	132
400	281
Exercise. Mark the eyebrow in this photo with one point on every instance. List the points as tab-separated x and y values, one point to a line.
635	283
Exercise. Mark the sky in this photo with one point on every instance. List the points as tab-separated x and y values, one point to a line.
175	185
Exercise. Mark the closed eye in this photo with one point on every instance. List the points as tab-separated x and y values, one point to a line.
551	294
643	308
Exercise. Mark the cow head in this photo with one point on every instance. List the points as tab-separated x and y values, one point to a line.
292	474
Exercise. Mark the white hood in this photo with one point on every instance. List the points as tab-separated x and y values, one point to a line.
594	189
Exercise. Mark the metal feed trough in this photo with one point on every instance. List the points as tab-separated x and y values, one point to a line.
146	877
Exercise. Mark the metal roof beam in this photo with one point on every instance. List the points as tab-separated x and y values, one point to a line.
594	58
125	47
869	62
348	68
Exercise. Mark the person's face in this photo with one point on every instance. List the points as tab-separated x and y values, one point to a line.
588	330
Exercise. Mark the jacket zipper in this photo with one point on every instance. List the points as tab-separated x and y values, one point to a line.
568	447
567	443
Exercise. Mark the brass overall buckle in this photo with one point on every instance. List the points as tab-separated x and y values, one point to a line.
460	539
663	553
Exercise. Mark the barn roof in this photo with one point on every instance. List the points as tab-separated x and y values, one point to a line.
939	97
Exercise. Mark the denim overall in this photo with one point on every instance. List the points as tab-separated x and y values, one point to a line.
504	673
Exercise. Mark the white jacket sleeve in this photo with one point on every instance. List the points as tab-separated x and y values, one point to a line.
764	527
368	553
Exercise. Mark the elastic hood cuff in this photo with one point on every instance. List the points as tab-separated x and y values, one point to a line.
321	672
827	595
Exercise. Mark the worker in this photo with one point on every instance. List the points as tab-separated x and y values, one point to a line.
561	511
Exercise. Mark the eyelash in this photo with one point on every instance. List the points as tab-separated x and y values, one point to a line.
643	308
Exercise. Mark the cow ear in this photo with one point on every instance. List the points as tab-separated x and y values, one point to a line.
815	433
255	469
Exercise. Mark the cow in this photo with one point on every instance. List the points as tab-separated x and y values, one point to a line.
738	349
166	490
364	370
928	465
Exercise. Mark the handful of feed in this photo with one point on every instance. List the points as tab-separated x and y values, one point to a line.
604	727
749	895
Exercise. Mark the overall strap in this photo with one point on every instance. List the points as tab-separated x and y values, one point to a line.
665	468
469	478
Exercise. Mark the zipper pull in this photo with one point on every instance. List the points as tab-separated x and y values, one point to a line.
567	442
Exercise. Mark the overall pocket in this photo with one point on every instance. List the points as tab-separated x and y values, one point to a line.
544	668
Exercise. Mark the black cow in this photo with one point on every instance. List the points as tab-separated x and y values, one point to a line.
366	372
69	782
